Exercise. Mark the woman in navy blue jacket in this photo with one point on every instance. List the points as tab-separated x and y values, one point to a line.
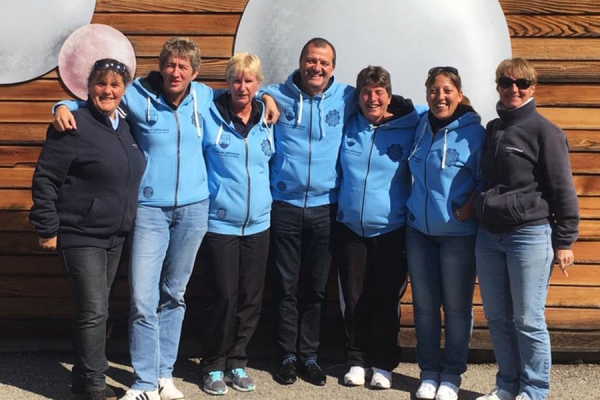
85	193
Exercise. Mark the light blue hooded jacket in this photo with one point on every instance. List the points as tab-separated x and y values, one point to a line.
446	168
238	175
170	139
307	141
375	176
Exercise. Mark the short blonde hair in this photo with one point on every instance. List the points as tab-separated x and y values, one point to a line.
517	66
244	62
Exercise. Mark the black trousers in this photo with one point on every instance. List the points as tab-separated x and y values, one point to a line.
234	273
91	271
301	258
372	272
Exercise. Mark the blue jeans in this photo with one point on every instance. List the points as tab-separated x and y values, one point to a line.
91	272
164	247
442	274
514	272
301	255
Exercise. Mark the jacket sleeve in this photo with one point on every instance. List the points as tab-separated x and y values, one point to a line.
57	154
561	193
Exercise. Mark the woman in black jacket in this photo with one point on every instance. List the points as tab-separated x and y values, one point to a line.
528	217
85	191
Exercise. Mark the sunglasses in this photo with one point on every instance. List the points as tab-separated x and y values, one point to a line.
102	65
505	82
450	70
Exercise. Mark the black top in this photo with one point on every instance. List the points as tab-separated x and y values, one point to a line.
528	173
86	182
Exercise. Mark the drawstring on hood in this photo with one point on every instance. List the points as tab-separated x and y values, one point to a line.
300	101
321	117
198	128
444	149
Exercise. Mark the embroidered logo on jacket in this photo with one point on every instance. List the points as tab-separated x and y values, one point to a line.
281	186
225	141
351	138
289	113
152	117
199	119
394	152
221	213
266	148
333	118
452	157
148	192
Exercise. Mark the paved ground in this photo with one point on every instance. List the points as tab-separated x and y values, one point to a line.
44	374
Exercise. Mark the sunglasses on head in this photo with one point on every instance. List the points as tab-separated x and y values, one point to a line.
505	82
450	70
102	65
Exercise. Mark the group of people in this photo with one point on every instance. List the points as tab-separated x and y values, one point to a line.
293	175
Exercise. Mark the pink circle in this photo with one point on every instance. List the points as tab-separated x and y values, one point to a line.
87	45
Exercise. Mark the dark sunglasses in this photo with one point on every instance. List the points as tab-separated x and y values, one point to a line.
505	82
450	70
102	65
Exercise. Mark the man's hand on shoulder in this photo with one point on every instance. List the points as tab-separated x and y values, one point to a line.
63	119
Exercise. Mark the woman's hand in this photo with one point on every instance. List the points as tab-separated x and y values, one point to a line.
564	258
47	243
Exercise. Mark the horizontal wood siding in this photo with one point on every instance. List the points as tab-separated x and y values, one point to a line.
561	38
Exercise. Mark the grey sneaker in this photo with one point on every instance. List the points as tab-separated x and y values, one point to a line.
240	380
214	383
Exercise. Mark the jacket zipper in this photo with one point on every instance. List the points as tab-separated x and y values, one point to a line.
364	193
249	190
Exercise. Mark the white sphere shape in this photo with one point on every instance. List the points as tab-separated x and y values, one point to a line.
33	32
407	37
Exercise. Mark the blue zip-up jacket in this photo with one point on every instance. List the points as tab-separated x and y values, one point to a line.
446	169
170	139
307	141
375	176
238	175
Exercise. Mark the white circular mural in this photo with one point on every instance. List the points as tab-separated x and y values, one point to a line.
32	33
407	37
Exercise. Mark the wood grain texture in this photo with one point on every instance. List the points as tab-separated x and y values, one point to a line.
567	71
210	46
563	95
135	6
550	6
16	178
583	140
170	24
23	133
563	49
589	207
587	185
584	26
572	118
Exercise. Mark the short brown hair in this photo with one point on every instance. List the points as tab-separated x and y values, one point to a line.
183	47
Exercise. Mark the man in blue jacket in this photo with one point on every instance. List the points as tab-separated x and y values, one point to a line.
304	182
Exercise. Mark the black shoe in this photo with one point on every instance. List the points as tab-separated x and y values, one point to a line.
286	375
313	373
80	394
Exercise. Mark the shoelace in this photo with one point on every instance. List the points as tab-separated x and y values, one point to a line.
239	372
311	362
216	375
289	360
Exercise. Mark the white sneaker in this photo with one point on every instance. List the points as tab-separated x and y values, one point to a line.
447	391
521	397
381	379
497	394
168	391
427	389
133	394
355	377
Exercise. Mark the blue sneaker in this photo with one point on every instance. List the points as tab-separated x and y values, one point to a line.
214	383
240	380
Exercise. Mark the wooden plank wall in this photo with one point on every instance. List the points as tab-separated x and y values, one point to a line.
561	37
